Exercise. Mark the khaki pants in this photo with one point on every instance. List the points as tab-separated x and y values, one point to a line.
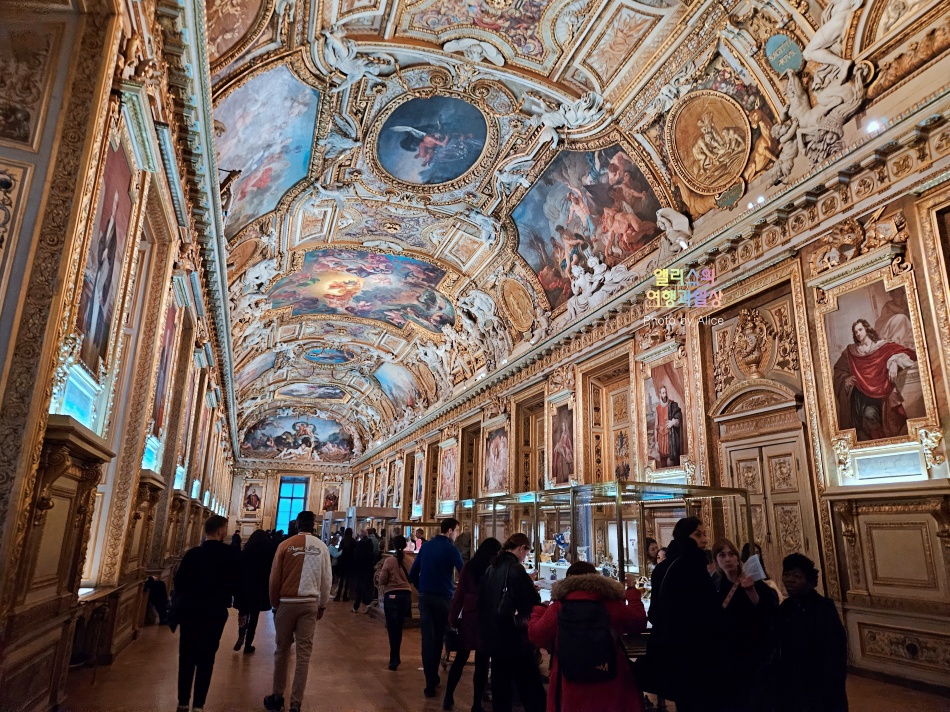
294	622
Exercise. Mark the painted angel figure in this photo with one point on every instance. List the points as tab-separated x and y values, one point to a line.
424	144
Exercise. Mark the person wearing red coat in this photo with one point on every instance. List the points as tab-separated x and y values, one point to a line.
627	615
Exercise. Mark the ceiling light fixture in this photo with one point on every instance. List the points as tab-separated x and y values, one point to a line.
874	126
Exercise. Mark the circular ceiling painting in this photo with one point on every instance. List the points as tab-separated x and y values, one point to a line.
328	356
428	141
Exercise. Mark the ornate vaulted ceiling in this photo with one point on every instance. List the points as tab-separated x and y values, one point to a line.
415	192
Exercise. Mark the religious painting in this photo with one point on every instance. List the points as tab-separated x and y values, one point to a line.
872	356
432	140
399	469
664	415
324	391
708	137
418	484
327	356
252	500
496	461
28	53
399	385
228	22
562	446
160	402
331	496
449	473
621	451
272	104
254	370
586	203
519	23
106	258
297	437
395	289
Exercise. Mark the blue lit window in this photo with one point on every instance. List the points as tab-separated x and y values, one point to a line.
291	501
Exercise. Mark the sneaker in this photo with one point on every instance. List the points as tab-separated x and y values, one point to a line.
274	703
448	703
183	708
429	692
248	649
197	709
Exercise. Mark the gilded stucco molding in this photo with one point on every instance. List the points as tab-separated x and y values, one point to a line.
23	415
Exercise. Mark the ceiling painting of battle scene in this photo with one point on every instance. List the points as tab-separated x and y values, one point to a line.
414	194
297	438
586	203
394	289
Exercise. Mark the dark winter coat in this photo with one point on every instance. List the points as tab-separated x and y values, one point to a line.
498	634
206	581
255	562
465	604
813	656
684	612
364	556
626	616
344	564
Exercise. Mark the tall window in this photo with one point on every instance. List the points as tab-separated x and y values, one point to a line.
292	501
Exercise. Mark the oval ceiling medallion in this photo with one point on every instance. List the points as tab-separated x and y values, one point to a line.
431	141
517	303
709	138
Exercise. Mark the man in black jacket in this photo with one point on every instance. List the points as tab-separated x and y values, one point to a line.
207	579
506	597
364	561
812	642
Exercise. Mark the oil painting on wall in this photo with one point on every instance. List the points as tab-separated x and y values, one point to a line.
427	141
274	103
328	356
254	370
228	22
585	203
496	461
418	485
876	374
297	438
312	390
449	473
391	288
399	385
562	445
621	455
331	497
252	500
664	417
105	259
160	402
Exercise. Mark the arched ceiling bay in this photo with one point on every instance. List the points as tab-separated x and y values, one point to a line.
416	192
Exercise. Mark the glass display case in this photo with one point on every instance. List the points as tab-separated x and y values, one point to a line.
503	515
555	528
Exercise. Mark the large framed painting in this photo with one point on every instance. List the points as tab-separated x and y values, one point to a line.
495	457
297	438
664	409
596	202
252	499
109	251
165	366
448	472
561	439
877	382
418	483
332	492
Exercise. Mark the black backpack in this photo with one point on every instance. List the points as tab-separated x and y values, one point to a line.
586	642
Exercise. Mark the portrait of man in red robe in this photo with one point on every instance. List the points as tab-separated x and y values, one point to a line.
865	383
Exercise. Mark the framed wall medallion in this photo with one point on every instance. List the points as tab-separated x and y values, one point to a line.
709	139
877	382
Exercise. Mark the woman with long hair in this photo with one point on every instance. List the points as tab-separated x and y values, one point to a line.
744	640
397	595
463	614
344	565
253	597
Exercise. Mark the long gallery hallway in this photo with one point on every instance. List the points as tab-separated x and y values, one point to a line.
348	674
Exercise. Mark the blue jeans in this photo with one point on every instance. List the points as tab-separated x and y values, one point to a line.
433	618
398	606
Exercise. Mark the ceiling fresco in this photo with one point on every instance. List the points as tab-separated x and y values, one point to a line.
415	193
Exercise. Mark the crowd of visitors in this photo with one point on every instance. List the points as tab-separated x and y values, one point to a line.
708	615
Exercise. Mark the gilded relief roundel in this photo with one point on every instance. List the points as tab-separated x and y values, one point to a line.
431	141
709	138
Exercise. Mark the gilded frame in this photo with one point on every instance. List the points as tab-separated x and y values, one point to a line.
418	501
669	354
252	514
489	429
449	456
827	303
554	406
